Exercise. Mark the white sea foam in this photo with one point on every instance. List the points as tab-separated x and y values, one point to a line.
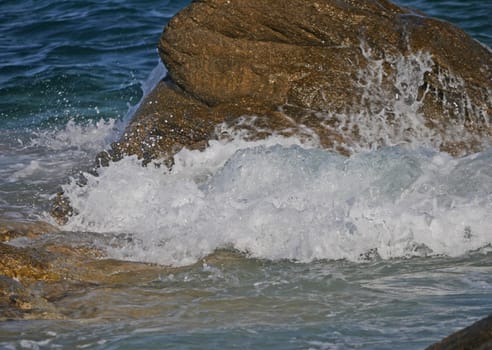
25	170
52	155
277	199
91	136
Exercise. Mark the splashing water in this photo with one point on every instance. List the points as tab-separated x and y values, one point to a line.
89	137
33	163
276	199
282	198
389	111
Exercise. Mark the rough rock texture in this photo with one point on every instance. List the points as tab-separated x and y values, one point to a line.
11	230
39	278
478	336
349	73
46	279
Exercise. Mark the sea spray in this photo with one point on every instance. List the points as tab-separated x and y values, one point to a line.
276	199
284	198
389	110
229	300
96	135
34	162
88	137
393	197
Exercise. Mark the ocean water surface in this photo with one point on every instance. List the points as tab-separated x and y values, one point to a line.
272	244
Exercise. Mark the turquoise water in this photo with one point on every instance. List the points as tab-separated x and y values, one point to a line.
72	72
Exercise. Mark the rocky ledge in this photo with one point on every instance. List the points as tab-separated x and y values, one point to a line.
41	278
348	74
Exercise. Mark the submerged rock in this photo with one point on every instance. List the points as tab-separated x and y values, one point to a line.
39	277
347	73
478	336
10	230
24	264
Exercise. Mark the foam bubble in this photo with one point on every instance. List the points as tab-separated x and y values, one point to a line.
278	199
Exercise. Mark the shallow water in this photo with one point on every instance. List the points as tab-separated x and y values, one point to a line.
232	301
273	244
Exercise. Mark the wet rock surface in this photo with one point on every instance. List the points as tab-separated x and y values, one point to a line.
478	336
347	73
41	279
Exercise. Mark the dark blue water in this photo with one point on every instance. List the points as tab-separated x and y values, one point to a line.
61	60
472	16
70	72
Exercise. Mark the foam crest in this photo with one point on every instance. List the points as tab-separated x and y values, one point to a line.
91	136
277	199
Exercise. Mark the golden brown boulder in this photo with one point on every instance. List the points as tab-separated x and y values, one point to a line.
350	73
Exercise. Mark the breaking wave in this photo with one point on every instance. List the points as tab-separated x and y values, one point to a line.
280	199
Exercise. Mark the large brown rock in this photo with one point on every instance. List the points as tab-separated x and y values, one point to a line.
346	74
354	74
